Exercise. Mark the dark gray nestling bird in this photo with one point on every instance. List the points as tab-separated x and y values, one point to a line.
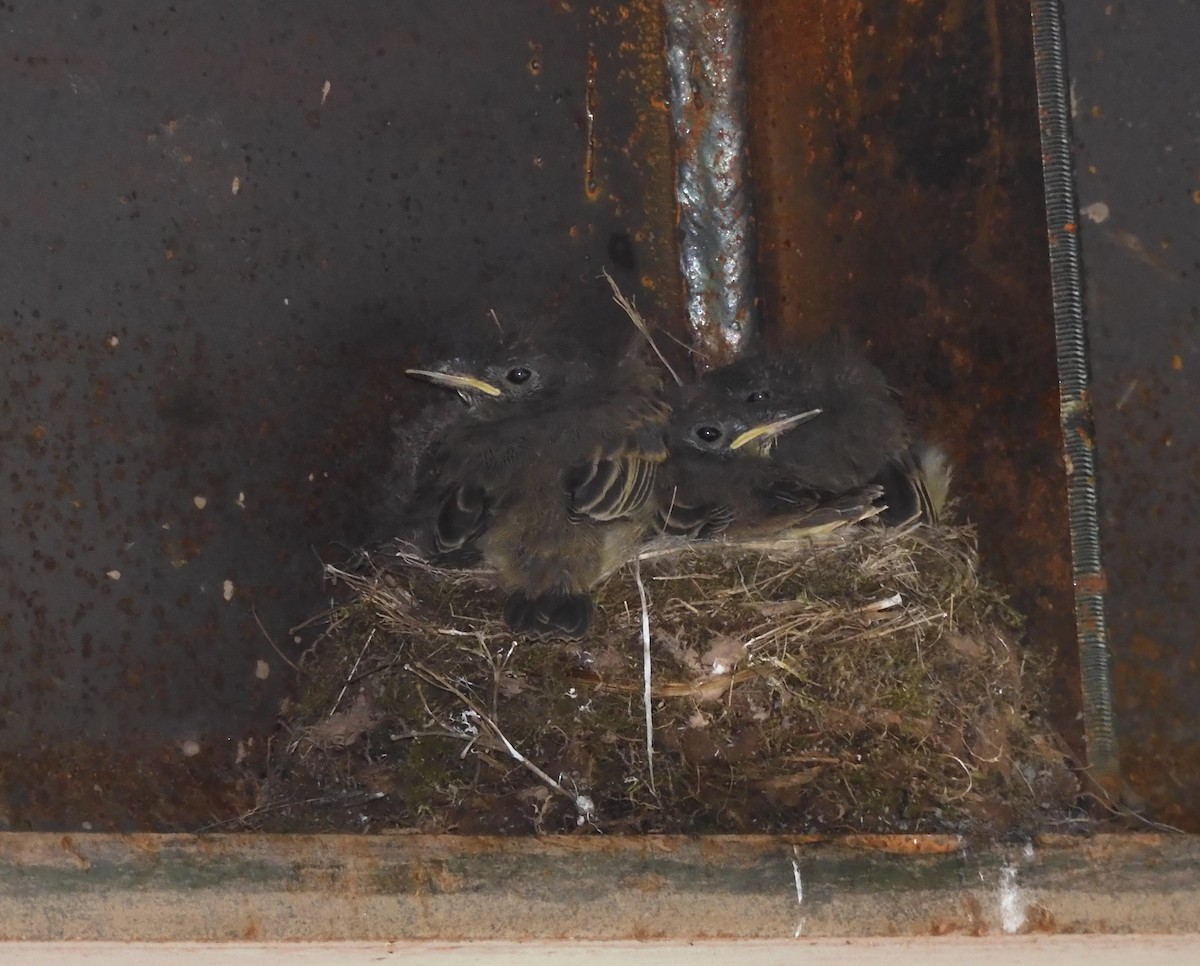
861	437
548	478
720	479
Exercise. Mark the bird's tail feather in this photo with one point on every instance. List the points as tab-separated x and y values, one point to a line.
916	485
937	474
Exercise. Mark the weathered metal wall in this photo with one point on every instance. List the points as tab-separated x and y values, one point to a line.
1136	92
225	229
899	192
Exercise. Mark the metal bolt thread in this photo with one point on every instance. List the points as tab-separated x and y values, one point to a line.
1075	412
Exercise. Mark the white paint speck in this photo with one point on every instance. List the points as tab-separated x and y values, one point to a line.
113	574
262	670
586	809
190	748
227	590
325	89
241	501
1097	211
200	501
236	185
799	888
1012	903
112	341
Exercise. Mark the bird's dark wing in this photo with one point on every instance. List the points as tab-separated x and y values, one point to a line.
697	496
786	494
752	498
611	487
850	506
617	479
914	485
694	522
461	518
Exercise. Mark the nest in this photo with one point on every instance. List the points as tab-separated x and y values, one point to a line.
869	682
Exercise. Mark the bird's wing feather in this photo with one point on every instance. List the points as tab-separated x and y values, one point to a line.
788	493
611	487
461	518
693	522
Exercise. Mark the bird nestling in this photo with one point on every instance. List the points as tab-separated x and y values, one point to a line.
548	477
861	437
720	478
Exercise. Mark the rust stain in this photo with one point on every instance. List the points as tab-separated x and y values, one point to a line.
1039	919
590	185
137	786
1145	648
905	844
650	883
81	861
976	923
629	70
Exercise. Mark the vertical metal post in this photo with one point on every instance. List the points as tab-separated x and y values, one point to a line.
708	113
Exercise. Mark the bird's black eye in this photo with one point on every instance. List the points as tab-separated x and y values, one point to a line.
759	395
519	375
709	434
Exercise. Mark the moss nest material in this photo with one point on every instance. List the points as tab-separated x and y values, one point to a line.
867	682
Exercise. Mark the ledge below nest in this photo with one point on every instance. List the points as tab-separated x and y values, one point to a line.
868	682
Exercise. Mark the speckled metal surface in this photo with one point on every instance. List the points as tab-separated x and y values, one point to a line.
1136	96
226	228
904	201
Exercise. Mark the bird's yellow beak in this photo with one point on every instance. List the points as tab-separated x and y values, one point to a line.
455	380
772	429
